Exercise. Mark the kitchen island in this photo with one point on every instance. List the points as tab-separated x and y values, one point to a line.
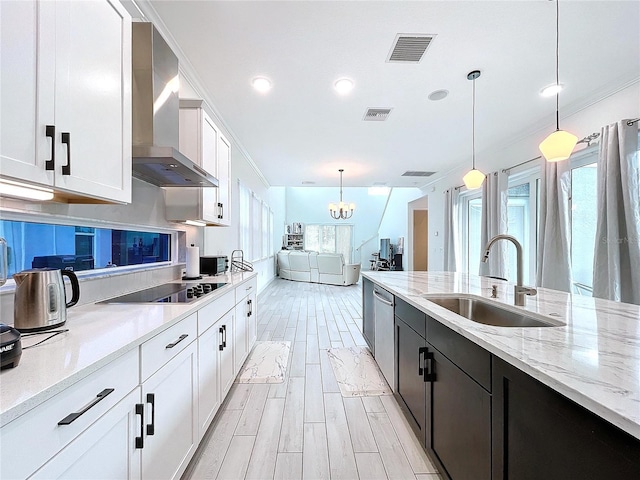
592	359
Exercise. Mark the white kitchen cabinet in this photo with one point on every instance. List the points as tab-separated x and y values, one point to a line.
171	428
224	179
202	142
213	354
107	450
245	328
33	439
226	369
66	97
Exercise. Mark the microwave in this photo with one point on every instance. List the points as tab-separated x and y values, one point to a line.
213	265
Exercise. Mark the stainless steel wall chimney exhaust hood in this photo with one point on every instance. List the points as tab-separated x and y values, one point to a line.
156	112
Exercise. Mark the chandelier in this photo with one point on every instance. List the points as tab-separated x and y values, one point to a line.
341	210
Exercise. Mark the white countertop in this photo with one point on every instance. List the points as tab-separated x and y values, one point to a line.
98	333
593	360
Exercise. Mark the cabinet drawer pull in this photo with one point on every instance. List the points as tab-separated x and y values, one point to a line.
221	346
72	417
429	374
51	133
66	139
140	439
151	400
180	338
421	351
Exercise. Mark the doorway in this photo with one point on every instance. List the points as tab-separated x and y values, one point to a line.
420	240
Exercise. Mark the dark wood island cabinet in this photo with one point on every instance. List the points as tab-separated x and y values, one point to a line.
480	418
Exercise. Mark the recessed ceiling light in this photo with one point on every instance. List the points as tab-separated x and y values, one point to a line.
343	85
261	84
438	95
551	90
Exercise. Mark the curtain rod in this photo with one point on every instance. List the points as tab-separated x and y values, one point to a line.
631	122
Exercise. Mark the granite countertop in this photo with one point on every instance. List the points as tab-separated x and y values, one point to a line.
594	359
98	333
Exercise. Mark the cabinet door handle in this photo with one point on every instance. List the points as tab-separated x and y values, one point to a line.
140	439
66	139
250	312
421	351
51	133
151	400
224	336
221	346
429	374
180	338
221	207
72	417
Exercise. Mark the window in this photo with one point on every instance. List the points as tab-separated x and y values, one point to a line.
471	217
583	223
329	239
255	228
78	248
522	223
244	225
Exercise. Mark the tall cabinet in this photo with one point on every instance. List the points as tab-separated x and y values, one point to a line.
65	87
202	142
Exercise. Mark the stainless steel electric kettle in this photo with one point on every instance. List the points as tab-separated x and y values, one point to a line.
40	301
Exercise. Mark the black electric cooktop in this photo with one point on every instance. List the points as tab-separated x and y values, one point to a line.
168	293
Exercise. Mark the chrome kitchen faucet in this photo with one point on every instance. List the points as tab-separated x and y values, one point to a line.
519	291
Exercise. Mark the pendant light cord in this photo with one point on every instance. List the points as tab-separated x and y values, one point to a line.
473	127
557	65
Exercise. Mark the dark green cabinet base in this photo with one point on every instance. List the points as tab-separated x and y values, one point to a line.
540	434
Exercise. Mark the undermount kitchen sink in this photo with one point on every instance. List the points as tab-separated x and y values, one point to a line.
490	313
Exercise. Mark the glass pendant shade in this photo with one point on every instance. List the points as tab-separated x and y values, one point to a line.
473	179
558	146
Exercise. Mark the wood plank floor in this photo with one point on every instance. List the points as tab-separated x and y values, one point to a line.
304	428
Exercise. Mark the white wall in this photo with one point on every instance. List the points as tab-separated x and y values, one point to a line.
395	222
624	104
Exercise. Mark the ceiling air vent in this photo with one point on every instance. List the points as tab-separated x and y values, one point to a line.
409	48
376	114
415	173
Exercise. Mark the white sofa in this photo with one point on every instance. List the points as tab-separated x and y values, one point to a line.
316	267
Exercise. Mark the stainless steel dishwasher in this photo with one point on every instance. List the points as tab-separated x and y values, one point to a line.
384	333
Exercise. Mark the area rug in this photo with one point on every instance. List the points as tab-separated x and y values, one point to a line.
357	373
267	363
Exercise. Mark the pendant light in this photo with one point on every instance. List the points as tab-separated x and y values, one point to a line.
474	178
341	210
558	145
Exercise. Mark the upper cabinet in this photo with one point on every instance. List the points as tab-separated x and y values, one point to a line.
202	142
66	97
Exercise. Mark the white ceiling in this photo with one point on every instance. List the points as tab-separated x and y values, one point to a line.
303	131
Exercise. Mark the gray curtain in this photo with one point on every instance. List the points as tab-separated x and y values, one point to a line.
616	264
494	222
451	230
554	239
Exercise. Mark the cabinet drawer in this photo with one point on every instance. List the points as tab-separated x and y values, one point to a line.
248	287
154	353
35	437
209	314
411	316
474	360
